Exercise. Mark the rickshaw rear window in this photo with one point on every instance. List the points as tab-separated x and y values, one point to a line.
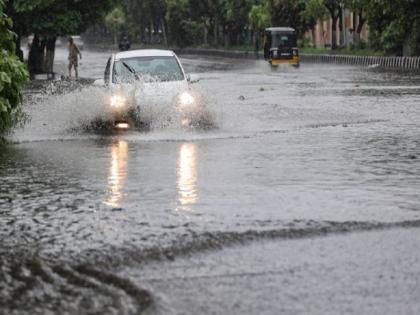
284	40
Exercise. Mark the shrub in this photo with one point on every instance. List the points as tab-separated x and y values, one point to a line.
13	75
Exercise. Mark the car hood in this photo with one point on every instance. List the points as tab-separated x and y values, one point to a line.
152	92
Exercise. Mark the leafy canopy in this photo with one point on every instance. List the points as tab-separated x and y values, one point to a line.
13	74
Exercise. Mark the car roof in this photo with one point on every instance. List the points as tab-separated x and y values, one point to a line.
280	29
144	53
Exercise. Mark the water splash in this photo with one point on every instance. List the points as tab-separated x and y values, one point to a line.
67	111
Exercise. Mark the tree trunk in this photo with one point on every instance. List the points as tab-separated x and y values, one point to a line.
341	28
314	37
205	35
226	36
354	26
164	31
115	38
334	13
216	31
406	49
334	32
49	57
42	55
360	25
36	57
150	32
323	34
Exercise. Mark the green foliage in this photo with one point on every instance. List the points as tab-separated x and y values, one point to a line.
391	38
115	20
220	22
236	19
177	17
334	9
355	5
289	13
394	25
415	38
143	17
6	36
314	10
259	17
52	18
13	74
49	19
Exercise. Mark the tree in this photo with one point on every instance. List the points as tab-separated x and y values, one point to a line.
114	20
203	15
13	74
395	26
289	13
48	19
176	16
236	20
145	18
259	17
359	9
315	11
334	8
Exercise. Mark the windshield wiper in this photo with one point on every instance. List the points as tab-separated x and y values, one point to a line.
131	70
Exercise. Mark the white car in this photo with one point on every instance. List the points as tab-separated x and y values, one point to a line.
149	77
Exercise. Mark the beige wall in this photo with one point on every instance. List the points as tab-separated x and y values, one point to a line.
323	34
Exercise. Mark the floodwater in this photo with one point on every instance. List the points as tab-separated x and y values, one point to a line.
302	199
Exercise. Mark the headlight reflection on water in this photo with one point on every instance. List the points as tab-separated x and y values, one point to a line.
187	177
117	173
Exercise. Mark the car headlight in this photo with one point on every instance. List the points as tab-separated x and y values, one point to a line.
186	99
118	101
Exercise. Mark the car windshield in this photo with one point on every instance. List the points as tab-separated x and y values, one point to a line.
155	68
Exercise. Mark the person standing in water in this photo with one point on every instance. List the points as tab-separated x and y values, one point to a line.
74	52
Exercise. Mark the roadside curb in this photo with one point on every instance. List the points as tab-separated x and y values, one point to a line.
406	63
219	53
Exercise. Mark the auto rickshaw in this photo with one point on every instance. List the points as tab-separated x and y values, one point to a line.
280	46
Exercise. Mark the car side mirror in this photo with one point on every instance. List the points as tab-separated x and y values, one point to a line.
193	78
99	82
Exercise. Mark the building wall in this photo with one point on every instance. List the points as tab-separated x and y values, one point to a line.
323	32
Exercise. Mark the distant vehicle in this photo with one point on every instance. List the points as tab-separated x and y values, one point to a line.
280	46
58	42
29	41
163	81
78	41
124	44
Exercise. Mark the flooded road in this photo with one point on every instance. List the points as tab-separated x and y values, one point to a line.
219	221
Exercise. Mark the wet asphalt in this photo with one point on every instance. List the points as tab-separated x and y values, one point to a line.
301	199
